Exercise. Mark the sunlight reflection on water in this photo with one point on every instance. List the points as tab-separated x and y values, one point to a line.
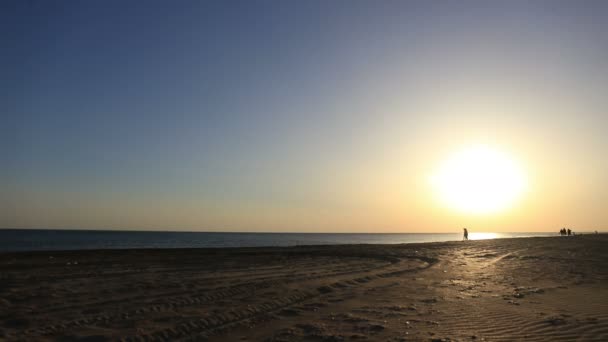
482	236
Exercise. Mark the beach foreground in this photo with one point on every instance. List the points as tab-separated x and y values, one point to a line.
533	289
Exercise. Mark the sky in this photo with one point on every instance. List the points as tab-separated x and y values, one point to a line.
297	116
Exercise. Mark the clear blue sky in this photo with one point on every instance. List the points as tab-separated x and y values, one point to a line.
288	115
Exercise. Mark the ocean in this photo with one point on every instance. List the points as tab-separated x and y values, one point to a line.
46	239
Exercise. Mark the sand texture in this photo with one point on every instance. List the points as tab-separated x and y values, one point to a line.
528	289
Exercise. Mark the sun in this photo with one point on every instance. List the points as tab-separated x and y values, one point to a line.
479	180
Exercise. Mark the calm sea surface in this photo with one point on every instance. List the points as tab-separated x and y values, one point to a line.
36	240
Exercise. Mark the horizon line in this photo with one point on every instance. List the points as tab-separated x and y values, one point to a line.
267	232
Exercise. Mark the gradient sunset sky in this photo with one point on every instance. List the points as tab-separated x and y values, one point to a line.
307	116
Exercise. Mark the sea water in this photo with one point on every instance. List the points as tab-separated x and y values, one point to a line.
47	239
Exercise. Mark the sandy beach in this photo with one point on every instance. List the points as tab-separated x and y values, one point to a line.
532	289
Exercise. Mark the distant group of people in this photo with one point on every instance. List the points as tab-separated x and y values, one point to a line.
566	232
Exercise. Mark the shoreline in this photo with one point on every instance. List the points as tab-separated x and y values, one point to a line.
150	249
53	240
537	288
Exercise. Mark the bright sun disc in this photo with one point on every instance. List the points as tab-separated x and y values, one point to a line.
479	180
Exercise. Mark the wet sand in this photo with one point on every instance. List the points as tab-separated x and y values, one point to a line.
532	289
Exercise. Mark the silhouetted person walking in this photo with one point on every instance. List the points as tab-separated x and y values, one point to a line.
466	234
569	232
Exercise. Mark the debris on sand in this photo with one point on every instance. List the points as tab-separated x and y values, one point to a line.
555	320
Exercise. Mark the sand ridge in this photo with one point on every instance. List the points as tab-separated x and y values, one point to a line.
493	290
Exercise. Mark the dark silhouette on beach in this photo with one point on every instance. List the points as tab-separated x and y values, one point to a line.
566	232
466	234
